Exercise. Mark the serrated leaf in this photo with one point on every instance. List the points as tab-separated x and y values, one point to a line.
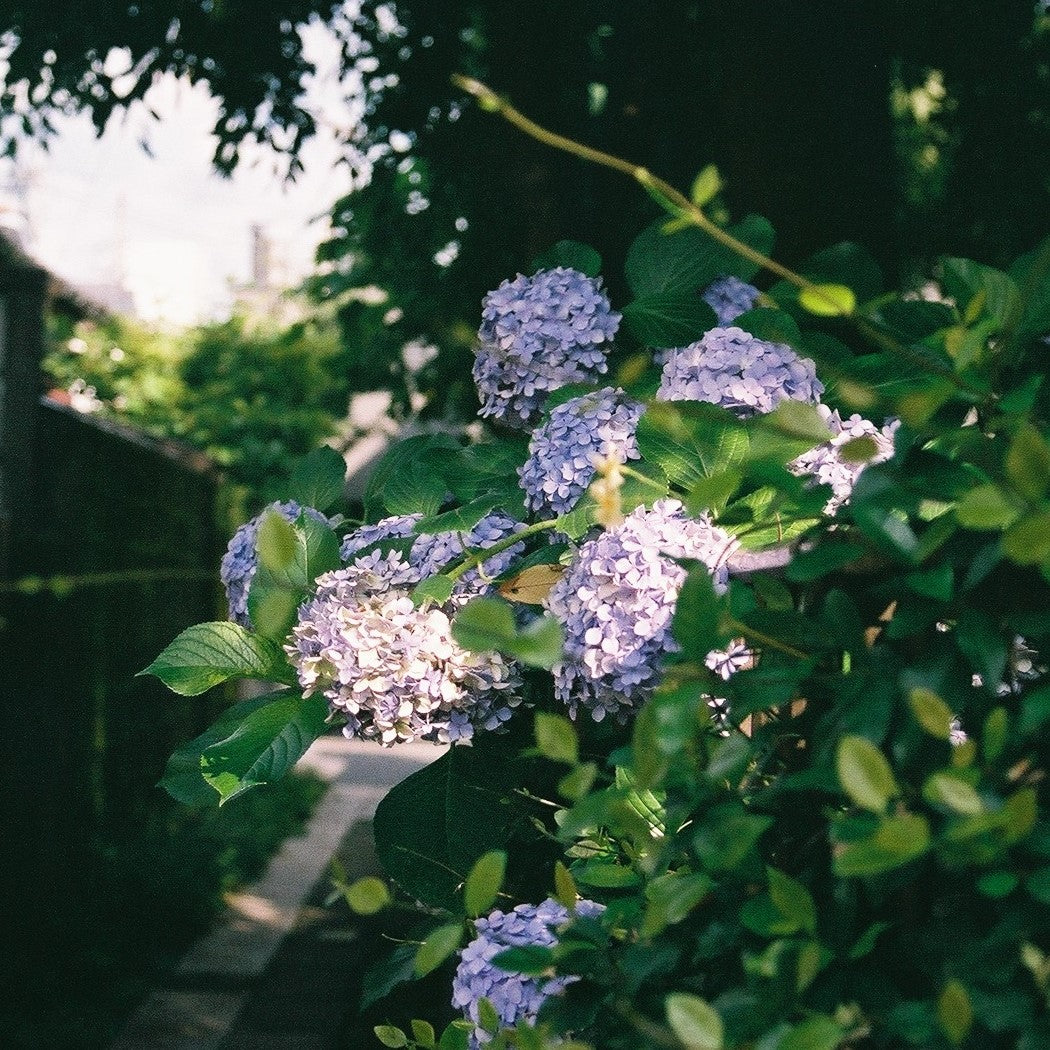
318	479
484	624
696	1023
828	300
437	947
688	260
931	712
864	774
423	1033
556	738
265	745
670	320
436	589
209	653
540	643
391	1036
484	882
571	254
182	776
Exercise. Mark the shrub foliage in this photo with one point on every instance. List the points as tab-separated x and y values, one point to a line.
809	811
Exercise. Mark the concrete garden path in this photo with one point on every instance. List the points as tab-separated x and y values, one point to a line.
272	973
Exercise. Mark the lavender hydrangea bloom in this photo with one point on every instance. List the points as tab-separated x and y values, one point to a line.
730	297
241	559
562	451
731	368
515	997
391	668
616	601
537	334
429	554
393	528
825	464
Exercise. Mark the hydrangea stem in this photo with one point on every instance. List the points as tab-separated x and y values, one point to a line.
681	207
475	558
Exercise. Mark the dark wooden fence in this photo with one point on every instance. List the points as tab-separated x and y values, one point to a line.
132	525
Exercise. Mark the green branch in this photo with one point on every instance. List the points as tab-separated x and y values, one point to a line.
681	207
475	558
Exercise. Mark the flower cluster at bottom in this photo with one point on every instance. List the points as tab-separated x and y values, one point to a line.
515	997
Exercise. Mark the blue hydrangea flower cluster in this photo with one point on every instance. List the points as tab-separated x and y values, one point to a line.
537	334
616	601
392	669
825	464
729	297
562	452
514	996
731	368
429	554
241	559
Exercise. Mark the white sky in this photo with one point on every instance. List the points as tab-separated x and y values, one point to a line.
102	211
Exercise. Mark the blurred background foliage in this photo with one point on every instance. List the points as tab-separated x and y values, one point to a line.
251	393
918	129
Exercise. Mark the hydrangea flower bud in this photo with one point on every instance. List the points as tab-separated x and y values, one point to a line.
729	297
616	601
515	997
241	558
537	334
731	368
563	450
825	463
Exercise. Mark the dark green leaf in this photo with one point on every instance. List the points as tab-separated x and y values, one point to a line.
531	959
668	320
685	262
572	255
318	480
182	778
964	280
422	839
